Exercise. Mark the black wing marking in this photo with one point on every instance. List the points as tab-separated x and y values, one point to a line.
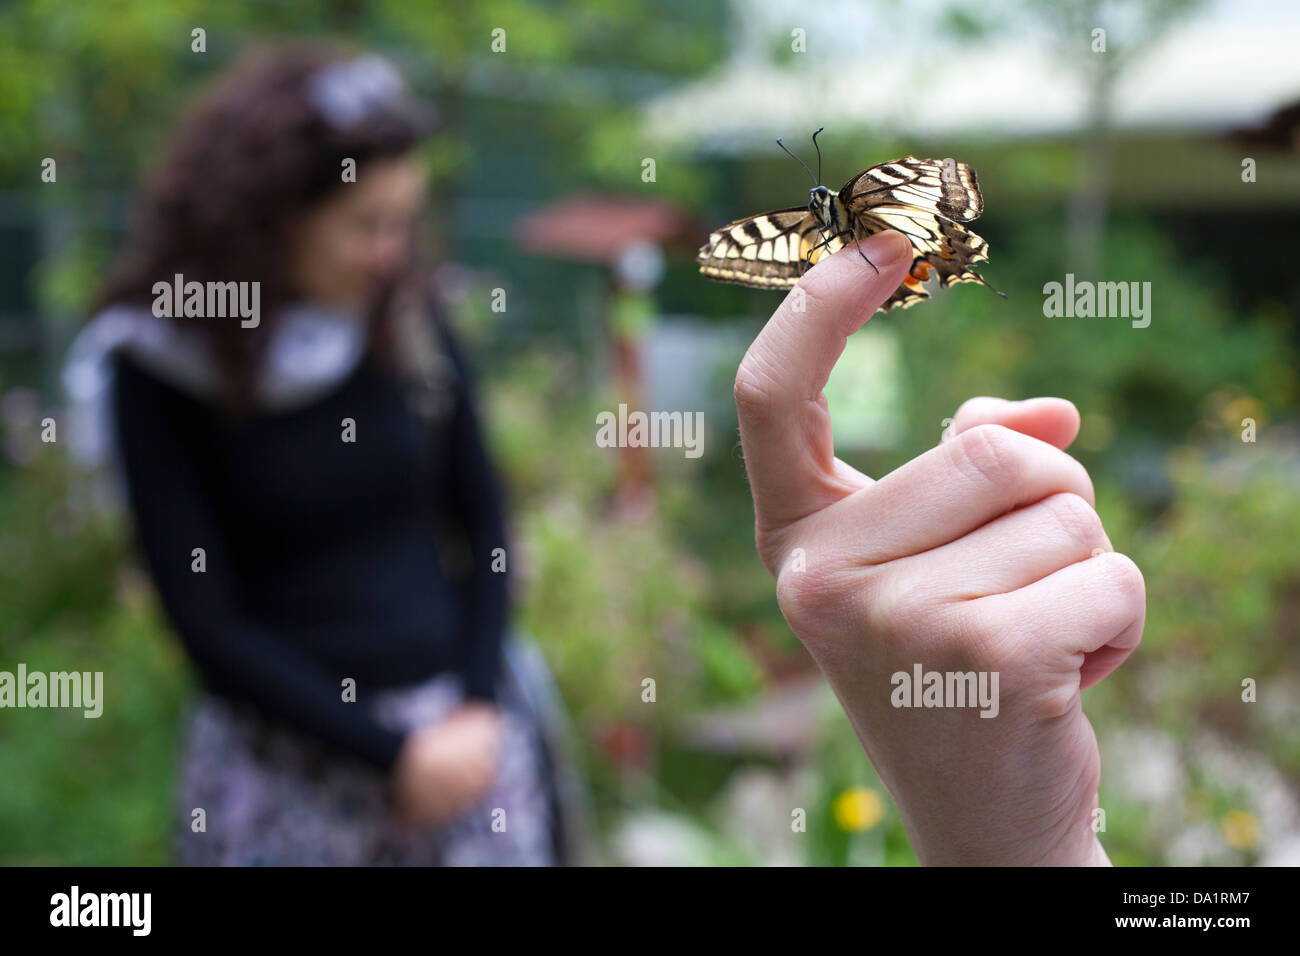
944	187
768	251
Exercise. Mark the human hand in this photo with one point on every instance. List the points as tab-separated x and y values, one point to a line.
983	554
448	766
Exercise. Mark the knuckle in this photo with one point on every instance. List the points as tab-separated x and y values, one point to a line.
990	453
1076	518
752	390
1127	578
807	595
894	603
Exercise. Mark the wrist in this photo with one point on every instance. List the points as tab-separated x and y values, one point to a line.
1077	849
1099	856
1087	851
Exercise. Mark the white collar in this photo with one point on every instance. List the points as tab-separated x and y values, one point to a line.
312	350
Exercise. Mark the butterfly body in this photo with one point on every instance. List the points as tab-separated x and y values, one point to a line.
827	209
928	200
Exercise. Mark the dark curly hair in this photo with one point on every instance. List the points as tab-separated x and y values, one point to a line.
245	161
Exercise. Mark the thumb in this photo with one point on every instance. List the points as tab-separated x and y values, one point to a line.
785	424
1052	420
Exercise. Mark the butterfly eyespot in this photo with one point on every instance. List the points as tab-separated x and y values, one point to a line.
921	270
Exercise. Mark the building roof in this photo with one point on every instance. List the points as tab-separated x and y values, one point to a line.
599	227
894	70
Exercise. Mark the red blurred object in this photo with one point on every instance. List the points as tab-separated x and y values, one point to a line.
602	228
626	745
599	227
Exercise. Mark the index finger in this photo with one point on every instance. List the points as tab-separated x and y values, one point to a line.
1053	420
785	426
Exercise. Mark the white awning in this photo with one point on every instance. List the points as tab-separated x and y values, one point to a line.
887	68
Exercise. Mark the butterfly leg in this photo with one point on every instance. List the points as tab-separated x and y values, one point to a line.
863	254
825	241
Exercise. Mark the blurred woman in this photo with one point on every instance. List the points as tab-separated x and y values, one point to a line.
297	431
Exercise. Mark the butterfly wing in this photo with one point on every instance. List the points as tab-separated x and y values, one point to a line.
941	249
926	200
943	187
769	251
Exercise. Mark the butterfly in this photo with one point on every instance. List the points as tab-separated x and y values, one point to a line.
927	200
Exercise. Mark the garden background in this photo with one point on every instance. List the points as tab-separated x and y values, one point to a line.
1126	163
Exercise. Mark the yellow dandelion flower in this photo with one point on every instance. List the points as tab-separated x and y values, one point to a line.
858	808
1240	829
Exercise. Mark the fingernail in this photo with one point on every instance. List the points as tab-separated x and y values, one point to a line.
888	247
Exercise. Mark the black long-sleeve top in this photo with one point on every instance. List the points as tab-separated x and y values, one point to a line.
322	558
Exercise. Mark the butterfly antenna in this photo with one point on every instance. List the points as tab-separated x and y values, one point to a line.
819	155
816	182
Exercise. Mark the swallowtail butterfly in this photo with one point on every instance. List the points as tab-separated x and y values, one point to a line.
925	199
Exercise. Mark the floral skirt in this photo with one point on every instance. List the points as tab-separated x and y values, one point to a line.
273	796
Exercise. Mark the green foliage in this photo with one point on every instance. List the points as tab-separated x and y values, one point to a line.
677	595
1223	581
58	559
1132	385
840	769
95	791
611	596
81	791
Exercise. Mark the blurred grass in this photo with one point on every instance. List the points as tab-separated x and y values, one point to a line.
78	790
